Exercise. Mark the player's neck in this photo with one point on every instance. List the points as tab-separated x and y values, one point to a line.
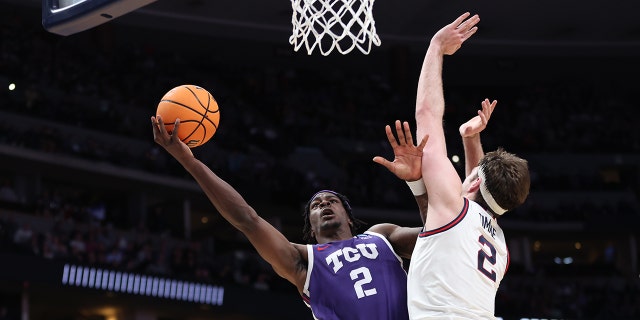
337	235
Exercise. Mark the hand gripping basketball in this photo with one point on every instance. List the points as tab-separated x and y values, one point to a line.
197	110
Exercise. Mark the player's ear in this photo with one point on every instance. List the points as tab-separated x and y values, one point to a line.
475	185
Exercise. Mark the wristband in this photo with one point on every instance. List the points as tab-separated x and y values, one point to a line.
417	187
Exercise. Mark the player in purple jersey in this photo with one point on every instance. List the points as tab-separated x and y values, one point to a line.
358	278
345	276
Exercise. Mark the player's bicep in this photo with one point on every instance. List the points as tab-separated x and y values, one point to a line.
440	177
402	239
443	184
428	124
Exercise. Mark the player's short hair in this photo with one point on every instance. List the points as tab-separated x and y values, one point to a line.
306	230
507	178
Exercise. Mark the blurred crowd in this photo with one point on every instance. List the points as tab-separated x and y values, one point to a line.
285	132
74	232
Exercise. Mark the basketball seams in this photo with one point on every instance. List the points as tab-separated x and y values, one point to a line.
183	105
190	99
204	115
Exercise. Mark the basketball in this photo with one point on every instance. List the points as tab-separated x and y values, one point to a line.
197	110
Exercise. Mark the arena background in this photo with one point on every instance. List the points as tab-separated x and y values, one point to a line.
85	193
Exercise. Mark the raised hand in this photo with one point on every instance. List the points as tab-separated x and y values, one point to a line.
407	162
478	123
451	36
170	142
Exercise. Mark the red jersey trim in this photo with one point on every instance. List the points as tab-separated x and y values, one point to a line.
449	225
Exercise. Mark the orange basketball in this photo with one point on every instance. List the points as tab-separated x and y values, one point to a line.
197	110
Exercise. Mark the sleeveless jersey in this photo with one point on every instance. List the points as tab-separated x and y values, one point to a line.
358	278
455	270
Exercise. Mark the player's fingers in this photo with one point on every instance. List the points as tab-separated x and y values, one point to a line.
160	124
493	106
486	107
460	19
469	24
489	106
483	118
472	22
401	138
390	136
383	162
407	133
156	129
176	125
423	142
469	33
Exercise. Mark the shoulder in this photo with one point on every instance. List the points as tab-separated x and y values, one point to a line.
383	229
401	239
389	230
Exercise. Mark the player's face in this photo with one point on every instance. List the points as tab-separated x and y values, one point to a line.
326	212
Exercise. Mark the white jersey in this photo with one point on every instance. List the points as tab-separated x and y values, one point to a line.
455	270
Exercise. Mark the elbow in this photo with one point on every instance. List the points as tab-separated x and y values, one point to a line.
247	221
425	114
427	123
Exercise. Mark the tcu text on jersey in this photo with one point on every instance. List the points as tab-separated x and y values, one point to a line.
349	254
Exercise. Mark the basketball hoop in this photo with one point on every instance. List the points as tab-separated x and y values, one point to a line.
333	24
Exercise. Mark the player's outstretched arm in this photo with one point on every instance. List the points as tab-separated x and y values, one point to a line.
470	133
441	179
406	166
285	257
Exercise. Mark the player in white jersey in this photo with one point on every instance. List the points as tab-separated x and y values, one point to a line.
460	256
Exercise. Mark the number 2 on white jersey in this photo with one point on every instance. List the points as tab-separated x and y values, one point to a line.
489	257
366	278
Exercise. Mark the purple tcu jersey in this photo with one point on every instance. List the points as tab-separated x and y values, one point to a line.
359	278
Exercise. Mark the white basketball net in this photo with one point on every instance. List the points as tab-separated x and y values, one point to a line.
328	24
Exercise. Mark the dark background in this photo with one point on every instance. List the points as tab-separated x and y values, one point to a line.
79	164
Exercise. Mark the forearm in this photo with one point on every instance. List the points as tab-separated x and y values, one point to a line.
223	196
419	191
423	205
473	152
271	244
430	96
